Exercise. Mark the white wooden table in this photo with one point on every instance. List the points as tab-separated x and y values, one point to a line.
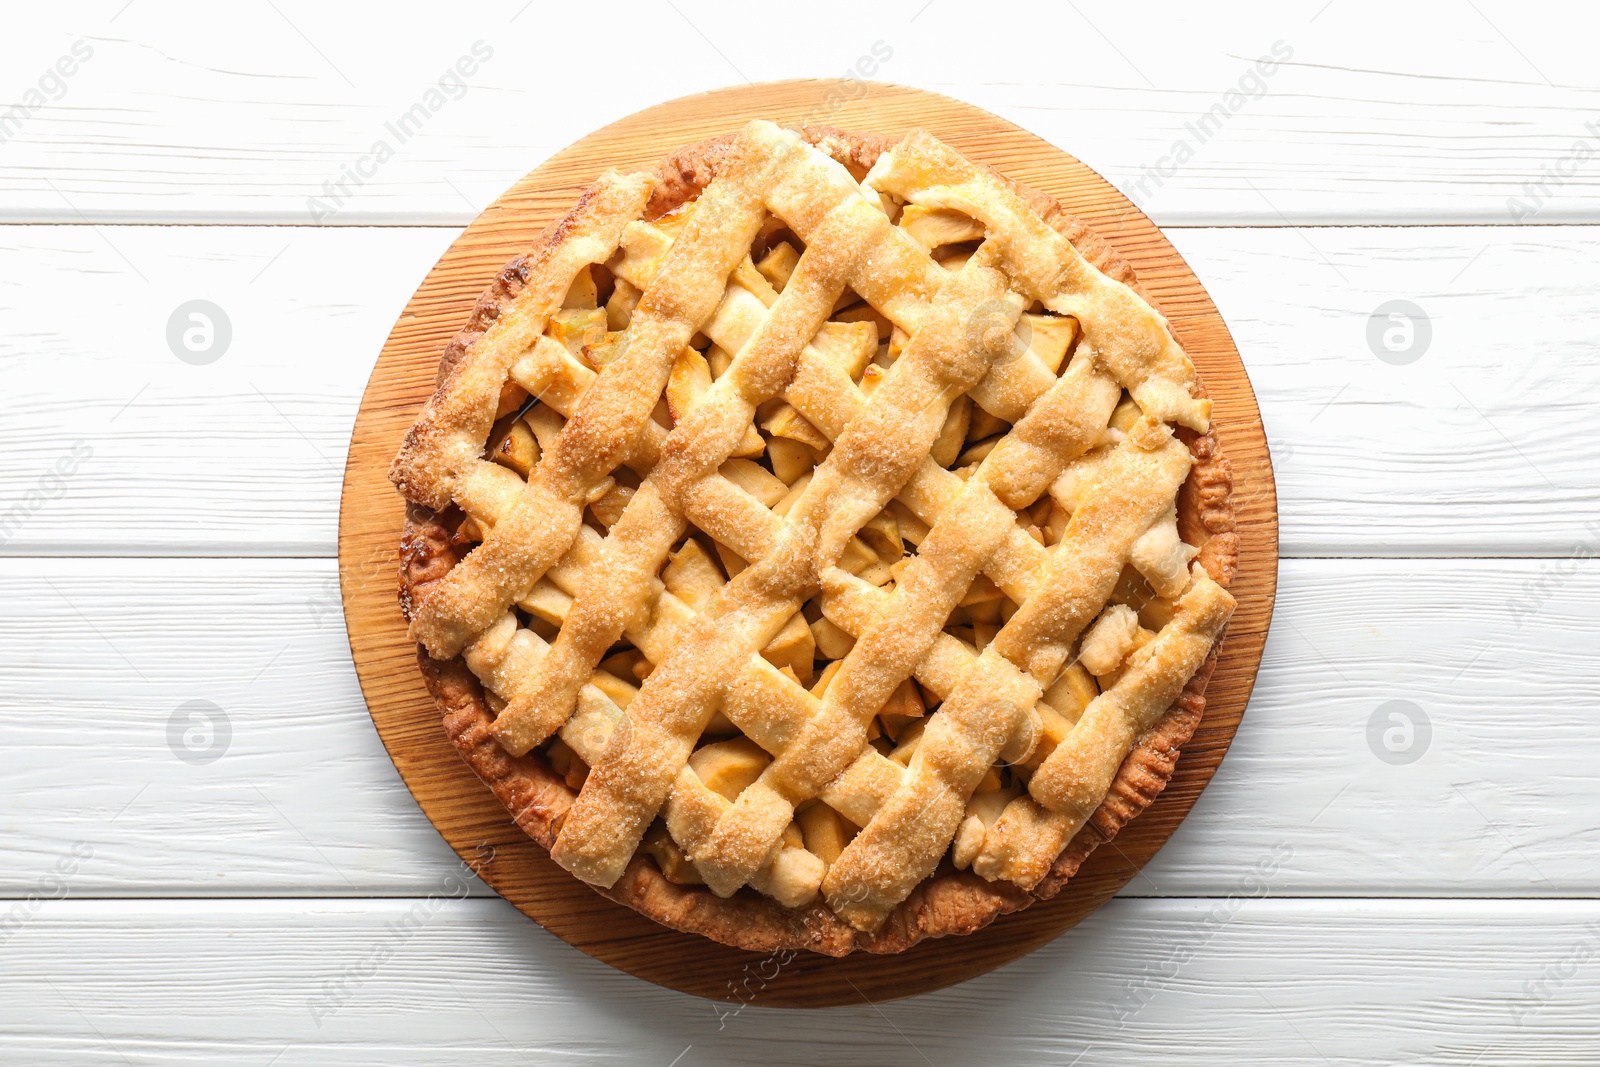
244	880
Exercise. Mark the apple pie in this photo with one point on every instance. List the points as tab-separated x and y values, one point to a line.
818	543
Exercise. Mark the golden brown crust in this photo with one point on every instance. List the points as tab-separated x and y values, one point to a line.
949	903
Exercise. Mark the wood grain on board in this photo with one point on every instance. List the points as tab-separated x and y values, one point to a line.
371	513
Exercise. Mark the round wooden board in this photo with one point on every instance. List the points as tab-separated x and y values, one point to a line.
371	515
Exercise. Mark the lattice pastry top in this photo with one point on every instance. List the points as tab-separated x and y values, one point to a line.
828	521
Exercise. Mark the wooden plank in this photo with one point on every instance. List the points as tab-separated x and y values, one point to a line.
1414	723
1246	979
253	124
1459	444
1496	653
242	455
197	723
370	526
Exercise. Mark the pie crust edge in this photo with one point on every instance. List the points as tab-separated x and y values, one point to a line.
950	902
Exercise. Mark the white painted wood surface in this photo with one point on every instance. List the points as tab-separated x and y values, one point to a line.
1142	981
302	799
1321	905
1381	112
252	443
